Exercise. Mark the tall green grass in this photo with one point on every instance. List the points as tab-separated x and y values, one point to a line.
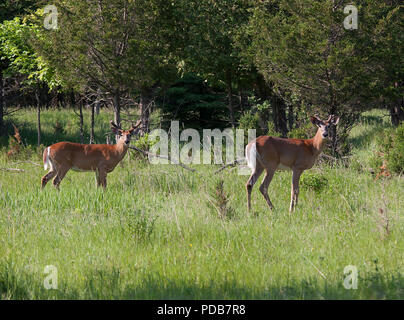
153	235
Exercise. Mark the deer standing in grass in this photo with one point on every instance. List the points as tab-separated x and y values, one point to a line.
101	158
272	153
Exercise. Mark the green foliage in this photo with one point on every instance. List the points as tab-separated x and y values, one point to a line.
83	54
16	49
145	142
207	46
191	101
219	201
314	182
302	48
390	150
271	130
304	131
139	226
248	120
9	9
256	118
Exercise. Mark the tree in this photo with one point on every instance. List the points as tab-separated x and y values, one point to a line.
8	10
14	47
207	45
112	46
303	48
383	40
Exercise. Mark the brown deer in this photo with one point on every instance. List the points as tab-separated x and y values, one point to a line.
272	153
101	158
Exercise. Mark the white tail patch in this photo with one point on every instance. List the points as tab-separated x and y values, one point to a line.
251	156
47	163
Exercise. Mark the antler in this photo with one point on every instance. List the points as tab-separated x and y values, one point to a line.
138	123
113	125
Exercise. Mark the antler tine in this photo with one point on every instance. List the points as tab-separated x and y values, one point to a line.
330	117
114	125
138	123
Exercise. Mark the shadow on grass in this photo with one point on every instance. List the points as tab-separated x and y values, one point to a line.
29	135
368	135
101	284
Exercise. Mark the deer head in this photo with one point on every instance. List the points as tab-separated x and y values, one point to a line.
324	126
125	135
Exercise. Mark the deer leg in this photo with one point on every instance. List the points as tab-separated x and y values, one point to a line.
250	184
264	186
103	178
45	179
61	173
295	189
97	177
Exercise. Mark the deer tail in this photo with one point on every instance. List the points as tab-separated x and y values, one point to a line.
251	155
46	160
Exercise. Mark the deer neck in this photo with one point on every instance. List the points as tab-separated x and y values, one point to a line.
318	142
121	148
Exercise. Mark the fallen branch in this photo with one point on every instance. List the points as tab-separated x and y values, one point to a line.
146	153
333	158
12	169
235	162
30	162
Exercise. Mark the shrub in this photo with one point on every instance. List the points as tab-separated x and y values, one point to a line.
248	120
145	142
219	201
58	129
271	130
139	226
314	182
304	131
389	154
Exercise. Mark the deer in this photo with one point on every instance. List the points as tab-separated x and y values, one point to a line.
101	158
272	154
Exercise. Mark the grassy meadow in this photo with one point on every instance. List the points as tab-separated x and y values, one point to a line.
154	233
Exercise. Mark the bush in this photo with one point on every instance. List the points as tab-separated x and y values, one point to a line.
144	143
139	226
305	131
248	120
271	130
314	182
219	201
389	154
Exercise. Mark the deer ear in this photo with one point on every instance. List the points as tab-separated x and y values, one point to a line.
316	121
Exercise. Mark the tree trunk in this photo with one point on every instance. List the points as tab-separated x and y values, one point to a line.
397	113
116	101
145	104
92	135
2	102
230	100
291	119
81	122
279	115
241	99
38	108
